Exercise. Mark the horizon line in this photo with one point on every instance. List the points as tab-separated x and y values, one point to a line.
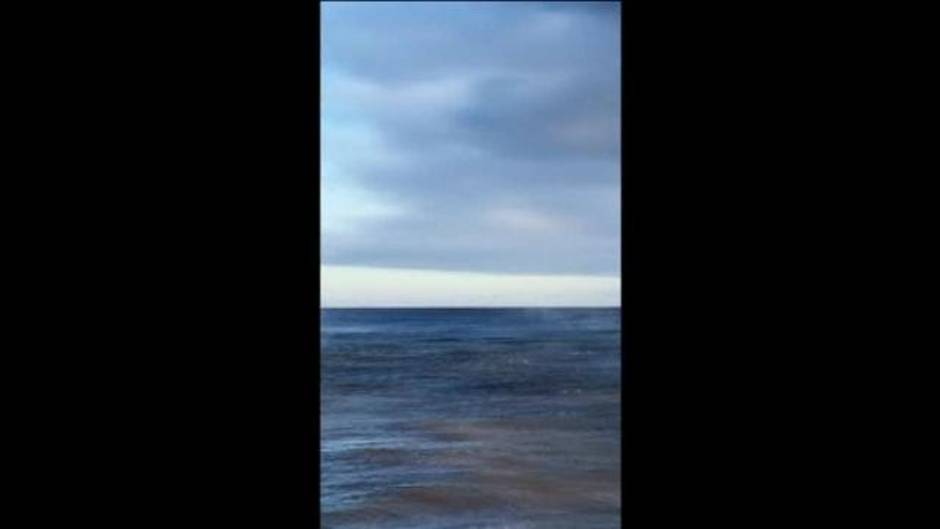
361	307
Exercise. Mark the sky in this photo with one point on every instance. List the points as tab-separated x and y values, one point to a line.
470	154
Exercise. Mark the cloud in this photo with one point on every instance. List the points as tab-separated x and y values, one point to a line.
472	136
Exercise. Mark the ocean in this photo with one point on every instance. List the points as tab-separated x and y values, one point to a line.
470	418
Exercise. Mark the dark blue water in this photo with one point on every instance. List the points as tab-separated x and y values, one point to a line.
470	418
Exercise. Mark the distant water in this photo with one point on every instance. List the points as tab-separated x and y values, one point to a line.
470	418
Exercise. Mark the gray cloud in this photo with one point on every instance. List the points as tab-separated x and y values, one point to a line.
494	131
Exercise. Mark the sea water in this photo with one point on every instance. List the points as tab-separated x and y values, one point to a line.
470	418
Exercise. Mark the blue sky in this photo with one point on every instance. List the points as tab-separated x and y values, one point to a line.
470	153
